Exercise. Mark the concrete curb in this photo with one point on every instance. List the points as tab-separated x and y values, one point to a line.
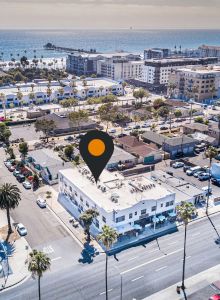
25	278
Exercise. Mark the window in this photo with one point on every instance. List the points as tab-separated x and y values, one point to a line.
120	219
161	205
103	219
81	198
135	213
171	203
76	193
70	188
130	216
87	204
167	204
153	208
143	211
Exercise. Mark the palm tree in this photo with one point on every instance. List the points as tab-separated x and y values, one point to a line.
38	264
87	219
10	196
185	211
49	91
108	237
20	97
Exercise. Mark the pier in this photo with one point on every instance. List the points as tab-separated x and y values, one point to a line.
50	46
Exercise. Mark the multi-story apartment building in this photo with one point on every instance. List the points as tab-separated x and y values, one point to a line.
157	72
209	51
86	64
38	93
118	68
122	202
157	53
198	83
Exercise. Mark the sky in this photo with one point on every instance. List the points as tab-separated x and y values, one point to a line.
109	14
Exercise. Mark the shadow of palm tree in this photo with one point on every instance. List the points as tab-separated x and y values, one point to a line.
88	254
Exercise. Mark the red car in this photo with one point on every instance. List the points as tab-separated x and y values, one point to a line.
215	297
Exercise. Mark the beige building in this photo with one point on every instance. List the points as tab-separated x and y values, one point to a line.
198	83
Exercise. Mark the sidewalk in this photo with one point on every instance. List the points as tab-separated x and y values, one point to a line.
64	216
193	284
15	269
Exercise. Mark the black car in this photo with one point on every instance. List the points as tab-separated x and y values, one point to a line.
122	135
20	178
185	168
215	181
163	128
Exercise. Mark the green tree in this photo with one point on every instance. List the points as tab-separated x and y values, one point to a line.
108	237
87	218
78	117
10	151
158	103
20	97
163	112
10	196
31	96
23	149
107	113
39	263
199	120
185	211
5	133
177	113
143	94
68	151
45	126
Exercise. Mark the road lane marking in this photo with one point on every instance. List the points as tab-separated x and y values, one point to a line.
148	262
172	243
132	258
137	278
195	234
56	258
154	250
157	270
105	292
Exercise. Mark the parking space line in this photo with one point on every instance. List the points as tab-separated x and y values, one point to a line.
157	270
135	279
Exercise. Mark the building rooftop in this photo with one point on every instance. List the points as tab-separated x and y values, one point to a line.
183	189
120	155
114	192
45	157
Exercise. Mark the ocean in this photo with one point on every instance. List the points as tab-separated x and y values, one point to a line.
16	42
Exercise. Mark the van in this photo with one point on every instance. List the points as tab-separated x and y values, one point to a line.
192	170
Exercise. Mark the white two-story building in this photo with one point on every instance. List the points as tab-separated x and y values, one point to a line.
123	203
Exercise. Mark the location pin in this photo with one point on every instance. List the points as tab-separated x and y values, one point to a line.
96	148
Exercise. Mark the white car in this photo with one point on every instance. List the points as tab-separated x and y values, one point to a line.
41	202
178	164
26	185
112	130
21	229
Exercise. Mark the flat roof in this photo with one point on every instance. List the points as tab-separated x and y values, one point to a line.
120	155
128	191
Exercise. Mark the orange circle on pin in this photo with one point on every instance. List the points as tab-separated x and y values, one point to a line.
96	147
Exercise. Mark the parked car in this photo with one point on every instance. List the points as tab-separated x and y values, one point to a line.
207	190
68	138
192	170
136	127
41	202
20	178
178	164
21	229
11	168
26	185
145	126
215	181
16	173
112	130
215	297
203	176
121	135
185	168
164	128
196	174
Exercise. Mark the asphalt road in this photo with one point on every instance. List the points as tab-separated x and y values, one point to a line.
45	232
144	269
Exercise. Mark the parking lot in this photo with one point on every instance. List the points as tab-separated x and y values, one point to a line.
179	173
